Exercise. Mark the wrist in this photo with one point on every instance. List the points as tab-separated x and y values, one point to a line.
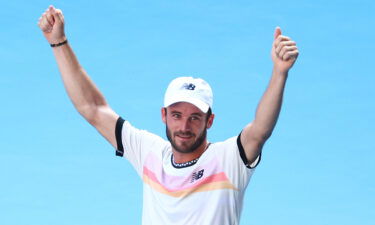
55	38
280	72
60	43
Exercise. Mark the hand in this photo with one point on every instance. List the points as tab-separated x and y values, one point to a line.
284	52
52	24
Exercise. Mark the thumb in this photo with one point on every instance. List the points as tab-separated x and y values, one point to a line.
277	32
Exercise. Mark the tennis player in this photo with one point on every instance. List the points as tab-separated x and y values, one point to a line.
186	179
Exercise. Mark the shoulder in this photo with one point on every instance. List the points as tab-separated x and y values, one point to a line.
125	128
223	145
232	151
128	136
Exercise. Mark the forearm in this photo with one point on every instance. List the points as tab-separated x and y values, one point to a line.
284	53
269	107
82	91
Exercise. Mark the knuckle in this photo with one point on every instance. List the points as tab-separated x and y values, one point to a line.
278	49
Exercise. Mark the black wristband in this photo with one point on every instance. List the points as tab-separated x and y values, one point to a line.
59	44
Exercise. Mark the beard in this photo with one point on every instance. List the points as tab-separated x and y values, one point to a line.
186	148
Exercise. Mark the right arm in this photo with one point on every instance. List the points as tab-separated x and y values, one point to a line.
86	97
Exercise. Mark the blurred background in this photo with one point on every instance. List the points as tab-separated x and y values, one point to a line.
317	168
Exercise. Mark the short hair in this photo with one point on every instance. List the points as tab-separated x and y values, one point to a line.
209	113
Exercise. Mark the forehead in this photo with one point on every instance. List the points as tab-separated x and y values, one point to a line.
185	107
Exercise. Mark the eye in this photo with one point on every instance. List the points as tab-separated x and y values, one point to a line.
176	115
195	118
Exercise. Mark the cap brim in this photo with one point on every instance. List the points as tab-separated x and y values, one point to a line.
198	103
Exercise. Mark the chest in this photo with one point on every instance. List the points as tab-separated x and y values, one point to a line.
205	175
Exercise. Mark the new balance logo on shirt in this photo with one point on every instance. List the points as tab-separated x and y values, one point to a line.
197	175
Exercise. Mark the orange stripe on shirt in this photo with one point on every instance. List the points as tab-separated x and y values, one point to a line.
213	182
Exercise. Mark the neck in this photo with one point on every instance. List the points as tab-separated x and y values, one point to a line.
180	157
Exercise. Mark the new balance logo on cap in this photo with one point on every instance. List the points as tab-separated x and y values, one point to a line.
189	86
188	89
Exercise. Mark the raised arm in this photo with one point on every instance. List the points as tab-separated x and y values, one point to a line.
86	97
284	53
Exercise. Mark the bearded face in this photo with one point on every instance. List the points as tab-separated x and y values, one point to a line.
186	126
190	141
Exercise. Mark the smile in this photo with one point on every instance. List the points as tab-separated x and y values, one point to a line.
184	137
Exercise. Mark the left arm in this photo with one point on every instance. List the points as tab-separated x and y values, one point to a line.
254	135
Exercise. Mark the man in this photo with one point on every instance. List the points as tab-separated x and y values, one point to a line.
187	180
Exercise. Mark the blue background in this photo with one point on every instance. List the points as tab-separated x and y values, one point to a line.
317	168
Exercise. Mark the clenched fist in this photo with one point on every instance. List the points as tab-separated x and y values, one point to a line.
52	24
284	52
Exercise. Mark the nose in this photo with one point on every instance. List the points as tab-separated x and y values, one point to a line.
185	125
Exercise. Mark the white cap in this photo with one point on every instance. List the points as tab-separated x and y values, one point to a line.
188	89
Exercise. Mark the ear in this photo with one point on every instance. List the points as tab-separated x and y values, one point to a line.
210	121
164	114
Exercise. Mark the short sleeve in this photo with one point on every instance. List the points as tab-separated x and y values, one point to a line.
237	170
243	155
135	144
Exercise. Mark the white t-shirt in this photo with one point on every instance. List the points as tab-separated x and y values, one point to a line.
209	192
